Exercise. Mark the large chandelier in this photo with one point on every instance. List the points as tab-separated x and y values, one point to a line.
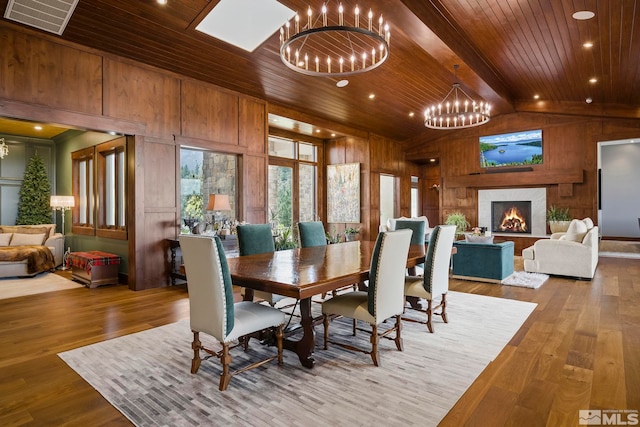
342	44
4	149
457	110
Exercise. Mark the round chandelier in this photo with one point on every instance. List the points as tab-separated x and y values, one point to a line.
343	44
457	110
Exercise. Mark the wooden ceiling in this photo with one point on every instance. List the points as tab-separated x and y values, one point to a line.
508	51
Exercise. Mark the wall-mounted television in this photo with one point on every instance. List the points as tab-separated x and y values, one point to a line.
511	149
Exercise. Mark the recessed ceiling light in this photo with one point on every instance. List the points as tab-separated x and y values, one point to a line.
593	80
583	15
245	23
588	100
37	127
588	45
333	134
371	96
317	130
432	160
162	2
411	114
342	83
536	96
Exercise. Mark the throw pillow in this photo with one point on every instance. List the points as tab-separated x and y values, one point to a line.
35	230
5	238
27	239
576	231
588	222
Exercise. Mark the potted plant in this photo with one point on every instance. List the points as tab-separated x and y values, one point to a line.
459	220
350	233
558	219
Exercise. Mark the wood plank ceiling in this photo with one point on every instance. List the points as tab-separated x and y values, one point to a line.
508	51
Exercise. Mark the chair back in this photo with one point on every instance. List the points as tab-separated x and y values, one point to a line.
436	265
210	290
255	239
311	234
418	228
387	272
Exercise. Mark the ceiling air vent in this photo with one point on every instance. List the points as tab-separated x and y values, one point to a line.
47	15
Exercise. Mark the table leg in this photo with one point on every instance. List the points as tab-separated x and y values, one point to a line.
304	347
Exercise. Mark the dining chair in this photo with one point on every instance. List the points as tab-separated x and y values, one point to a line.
257	239
417	238
435	281
384	297
213	312
311	233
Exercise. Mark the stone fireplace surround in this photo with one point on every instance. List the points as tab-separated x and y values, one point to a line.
537	196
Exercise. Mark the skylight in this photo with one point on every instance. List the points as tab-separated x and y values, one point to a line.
245	23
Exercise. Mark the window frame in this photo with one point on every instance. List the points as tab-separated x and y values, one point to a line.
77	157
114	147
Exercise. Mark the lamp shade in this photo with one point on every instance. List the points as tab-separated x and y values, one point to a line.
218	202
62	201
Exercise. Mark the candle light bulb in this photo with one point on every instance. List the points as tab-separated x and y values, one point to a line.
287	25
309	13
340	15
370	18
373	56
353	61
329	64
306	61
380	21
297	23
364	60
324	15
341	62
357	20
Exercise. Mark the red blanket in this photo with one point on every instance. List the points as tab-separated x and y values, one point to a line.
39	258
88	259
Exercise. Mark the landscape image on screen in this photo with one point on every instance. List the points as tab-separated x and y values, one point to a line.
511	149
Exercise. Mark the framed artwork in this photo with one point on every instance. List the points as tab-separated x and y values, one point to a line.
343	193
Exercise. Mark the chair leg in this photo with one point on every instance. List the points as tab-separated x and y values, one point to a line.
443	304
429	315
279	343
225	359
374	344
326	331
355	326
398	338
196	345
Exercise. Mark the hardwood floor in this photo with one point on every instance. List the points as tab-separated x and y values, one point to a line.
580	349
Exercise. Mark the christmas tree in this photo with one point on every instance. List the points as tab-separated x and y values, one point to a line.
35	193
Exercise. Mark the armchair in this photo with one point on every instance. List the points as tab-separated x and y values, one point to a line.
213	311
573	254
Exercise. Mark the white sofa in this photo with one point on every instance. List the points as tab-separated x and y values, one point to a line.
54	241
391	225
574	253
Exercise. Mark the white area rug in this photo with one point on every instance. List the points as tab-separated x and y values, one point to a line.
526	280
44	282
146	375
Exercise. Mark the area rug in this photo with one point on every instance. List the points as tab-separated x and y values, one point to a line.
44	282
526	280
146	375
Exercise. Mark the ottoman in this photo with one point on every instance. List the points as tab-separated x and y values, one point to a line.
483	262
94	268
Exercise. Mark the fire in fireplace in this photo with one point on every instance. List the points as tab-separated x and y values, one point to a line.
511	217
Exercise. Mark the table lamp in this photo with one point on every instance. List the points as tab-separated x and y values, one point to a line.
217	203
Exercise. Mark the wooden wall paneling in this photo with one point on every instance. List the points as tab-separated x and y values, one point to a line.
36	70
254	189
159	167
209	112
374	205
136	216
142	94
158	226
253	125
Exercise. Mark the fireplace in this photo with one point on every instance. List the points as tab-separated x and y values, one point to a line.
536	198
511	217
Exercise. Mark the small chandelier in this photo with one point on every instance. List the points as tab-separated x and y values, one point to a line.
4	149
333	46
457	111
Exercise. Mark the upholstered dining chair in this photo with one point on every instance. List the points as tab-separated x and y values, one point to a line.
257	239
213	311
417	238
435	282
384	297
311	233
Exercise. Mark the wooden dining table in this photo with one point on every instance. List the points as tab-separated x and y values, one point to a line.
304	272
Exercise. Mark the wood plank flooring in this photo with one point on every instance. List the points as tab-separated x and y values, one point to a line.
580	349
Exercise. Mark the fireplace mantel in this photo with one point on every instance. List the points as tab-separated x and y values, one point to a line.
563	178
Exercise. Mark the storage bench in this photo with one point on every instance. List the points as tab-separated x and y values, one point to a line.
94	268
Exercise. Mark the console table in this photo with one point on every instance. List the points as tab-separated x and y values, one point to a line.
229	244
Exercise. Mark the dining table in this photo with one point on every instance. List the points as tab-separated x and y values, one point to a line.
302	273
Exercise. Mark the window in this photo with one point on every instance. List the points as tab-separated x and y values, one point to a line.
110	157
387	198
99	181
415	198
293	182
203	173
